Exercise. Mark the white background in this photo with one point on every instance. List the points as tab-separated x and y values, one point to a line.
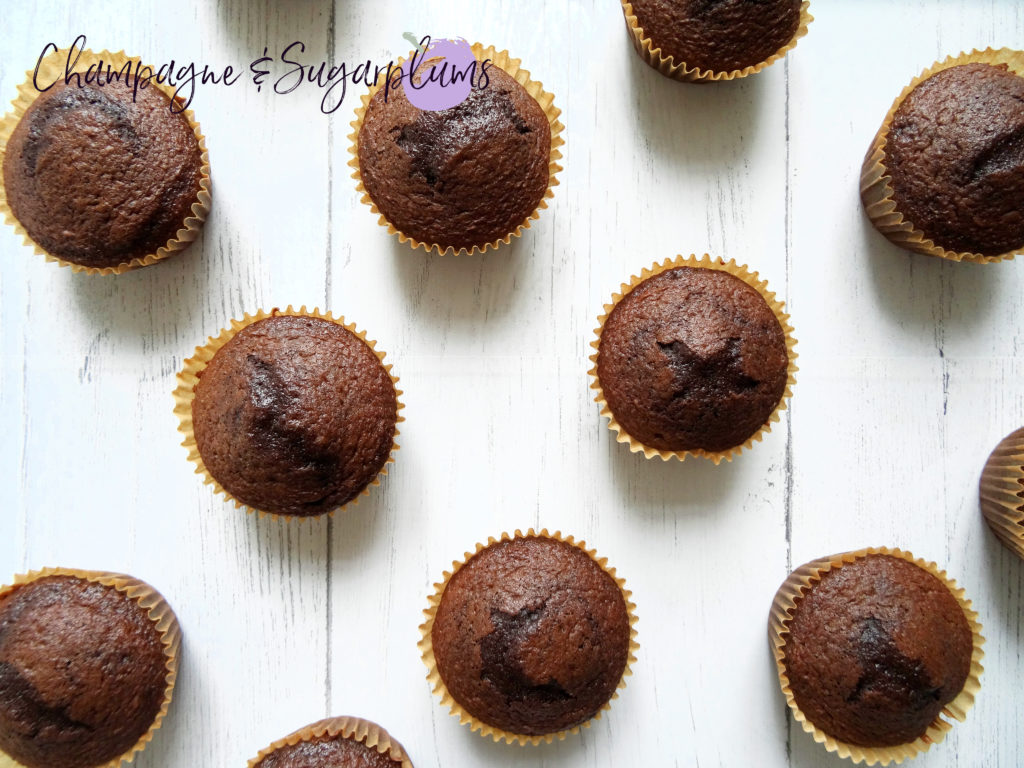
911	370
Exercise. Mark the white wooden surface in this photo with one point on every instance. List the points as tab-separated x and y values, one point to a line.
911	371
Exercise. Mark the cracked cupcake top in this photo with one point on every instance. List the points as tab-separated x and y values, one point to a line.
955	152
531	636
692	358
875	650
82	673
294	415
459	177
718	35
98	178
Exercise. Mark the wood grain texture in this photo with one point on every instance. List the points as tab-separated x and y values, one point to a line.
911	370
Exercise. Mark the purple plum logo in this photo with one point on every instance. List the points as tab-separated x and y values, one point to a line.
441	74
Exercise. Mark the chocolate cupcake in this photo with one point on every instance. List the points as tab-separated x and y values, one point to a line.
873	648
338	742
87	667
698	40
102	178
529	638
693	358
461	179
1002	491
289	413
945	173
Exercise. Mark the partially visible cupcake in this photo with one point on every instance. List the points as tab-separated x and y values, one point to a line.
1002	491
102	178
289	413
529	638
694	357
944	175
698	40
466	178
338	742
88	663
874	649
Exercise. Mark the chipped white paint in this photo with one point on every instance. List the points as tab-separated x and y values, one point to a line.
911	371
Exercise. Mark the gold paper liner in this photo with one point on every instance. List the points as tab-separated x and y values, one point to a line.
1002	491
669	67
158	612
502	60
705	262
876	190
434	676
354	728
52	68
793	589
188	377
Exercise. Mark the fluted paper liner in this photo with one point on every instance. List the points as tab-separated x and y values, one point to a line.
52	68
1002	491
876	189
352	728
188	377
798	584
504	61
679	70
434	676
704	262
158	612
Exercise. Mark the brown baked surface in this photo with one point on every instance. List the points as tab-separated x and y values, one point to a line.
531	636
327	752
692	358
955	152
98	180
876	649
294	415
460	177
82	673
718	35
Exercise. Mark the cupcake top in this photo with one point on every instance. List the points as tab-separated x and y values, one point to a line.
337	742
83	673
718	35
531	636
692	359
460	177
327	752
98	179
294	415
875	650
955	153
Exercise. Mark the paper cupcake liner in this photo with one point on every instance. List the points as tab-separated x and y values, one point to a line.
669	67
704	262
434	676
876	189
502	60
783	607
52	68
158	611
353	728
1002	491
188	377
